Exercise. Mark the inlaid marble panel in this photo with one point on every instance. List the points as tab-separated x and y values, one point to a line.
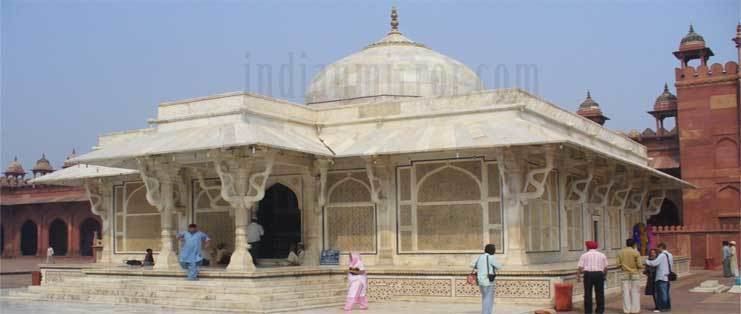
351	228
449	227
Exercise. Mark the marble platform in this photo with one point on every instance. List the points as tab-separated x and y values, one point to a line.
710	286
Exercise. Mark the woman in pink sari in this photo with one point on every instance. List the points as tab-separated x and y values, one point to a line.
358	283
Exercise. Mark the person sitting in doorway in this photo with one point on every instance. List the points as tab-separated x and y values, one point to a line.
254	234
222	255
148	258
50	255
295	255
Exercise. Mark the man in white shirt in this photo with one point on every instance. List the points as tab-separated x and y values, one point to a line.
254	234
663	264
50	255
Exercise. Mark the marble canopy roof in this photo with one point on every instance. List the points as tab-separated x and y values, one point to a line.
76	175
483	119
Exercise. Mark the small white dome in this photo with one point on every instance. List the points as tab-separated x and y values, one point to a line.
392	66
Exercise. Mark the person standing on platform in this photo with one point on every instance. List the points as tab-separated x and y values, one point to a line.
148	258
358	283
190	251
486	266
629	261
254	235
727	260
593	264
50	255
733	257
663	267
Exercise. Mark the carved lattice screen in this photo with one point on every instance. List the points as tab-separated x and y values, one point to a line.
216	222
349	214
137	222
449	206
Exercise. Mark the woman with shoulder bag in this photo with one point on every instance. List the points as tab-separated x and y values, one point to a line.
486	268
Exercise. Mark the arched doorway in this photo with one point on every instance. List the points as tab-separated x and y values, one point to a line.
58	237
668	216
280	216
88	229
29	238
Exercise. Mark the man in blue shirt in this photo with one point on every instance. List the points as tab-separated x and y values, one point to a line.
190	251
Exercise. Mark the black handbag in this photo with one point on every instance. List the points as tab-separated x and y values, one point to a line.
672	276
488	274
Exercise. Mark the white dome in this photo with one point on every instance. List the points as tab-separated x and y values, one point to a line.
392	66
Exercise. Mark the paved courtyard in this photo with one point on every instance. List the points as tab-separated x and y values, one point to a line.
683	300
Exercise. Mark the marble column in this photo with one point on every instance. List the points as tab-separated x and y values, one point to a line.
512	172
160	179
378	170
242	186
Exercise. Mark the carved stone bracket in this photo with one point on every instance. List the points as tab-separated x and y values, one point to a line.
375	169
654	204
580	187
213	200
99	195
532	180
601	193
621	195
636	200
166	189
241	187
322	165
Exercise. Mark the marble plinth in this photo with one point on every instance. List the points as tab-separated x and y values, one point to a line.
710	286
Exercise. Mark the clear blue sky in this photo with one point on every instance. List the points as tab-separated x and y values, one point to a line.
74	69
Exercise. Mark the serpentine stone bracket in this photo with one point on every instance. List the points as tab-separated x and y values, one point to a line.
164	185
99	195
583	192
376	177
601	193
654	204
238	186
213	201
322	165
539	185
621	195
636	200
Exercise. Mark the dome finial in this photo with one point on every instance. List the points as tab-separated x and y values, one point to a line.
394	21
692	29
666	87
589	95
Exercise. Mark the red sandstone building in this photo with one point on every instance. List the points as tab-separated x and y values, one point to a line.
35	217
703	148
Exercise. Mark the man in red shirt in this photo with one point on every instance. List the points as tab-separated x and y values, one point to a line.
593	264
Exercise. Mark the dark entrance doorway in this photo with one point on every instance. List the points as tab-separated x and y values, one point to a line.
2	240
58	237
279	215
88	229
29	238
668	216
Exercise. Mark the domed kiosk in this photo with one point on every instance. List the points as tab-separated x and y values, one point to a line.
417	172
393	67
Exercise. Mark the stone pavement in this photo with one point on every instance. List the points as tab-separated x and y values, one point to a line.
15	272
30	307
683	301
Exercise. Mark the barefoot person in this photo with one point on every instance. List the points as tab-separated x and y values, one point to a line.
358	283
190	251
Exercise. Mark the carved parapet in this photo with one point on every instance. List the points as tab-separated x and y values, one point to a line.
717	72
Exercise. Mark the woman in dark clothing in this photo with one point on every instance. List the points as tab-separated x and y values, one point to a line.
650	273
